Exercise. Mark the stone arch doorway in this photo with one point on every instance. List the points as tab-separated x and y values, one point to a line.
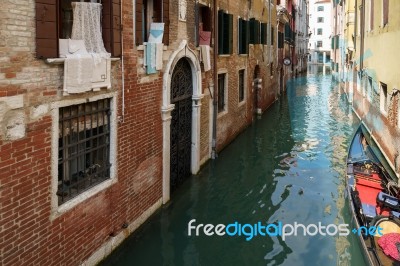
181	123
171	103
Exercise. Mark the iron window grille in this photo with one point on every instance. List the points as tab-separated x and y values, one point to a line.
84	148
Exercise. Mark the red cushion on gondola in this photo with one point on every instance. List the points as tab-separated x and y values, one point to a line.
368	194
368	183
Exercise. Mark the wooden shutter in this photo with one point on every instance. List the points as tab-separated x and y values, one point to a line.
240	34
46	28
252	26
272	35
220	32
229	46
257	33
166	21
372	15
111	18
139	20
385	12
246	36
280	39
263	33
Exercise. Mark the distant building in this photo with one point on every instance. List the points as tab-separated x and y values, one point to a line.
301	29
320	24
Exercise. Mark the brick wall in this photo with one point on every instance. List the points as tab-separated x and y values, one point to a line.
28	233
238	117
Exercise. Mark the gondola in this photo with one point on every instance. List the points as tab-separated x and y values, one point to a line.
373	194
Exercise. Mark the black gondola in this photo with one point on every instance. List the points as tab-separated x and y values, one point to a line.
373	194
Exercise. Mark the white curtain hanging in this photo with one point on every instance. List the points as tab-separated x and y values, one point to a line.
87	27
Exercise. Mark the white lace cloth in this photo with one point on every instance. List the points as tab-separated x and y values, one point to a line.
87	27
89	68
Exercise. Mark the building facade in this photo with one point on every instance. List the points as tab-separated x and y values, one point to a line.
97	132
372	81
301	29
320	12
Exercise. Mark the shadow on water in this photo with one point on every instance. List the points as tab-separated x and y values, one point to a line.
287	166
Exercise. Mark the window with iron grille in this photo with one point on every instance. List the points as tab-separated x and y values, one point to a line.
83	148
221	92
241	85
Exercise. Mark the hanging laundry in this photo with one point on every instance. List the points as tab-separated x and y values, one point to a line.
156	32
78	72
159	56
151	58
205	57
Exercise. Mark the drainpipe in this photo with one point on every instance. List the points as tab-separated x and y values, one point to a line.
215	74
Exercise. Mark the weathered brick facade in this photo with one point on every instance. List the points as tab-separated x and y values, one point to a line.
33	228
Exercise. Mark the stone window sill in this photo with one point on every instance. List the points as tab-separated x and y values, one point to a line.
58	61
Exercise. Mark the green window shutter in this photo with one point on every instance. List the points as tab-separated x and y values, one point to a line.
272	35
246	36
220	32
229	45
263	35
252	30
240	36
257	32
333	42
280	39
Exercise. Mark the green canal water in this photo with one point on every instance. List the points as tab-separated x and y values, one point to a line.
287	167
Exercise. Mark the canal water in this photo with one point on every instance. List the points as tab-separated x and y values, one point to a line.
287	167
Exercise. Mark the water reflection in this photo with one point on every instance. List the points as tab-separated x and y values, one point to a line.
288	166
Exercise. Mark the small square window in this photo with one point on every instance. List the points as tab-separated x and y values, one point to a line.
320	19
319	43
320	8
319	31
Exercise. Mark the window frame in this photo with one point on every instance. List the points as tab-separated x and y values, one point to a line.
383	98
144	17
319	31
244	88
318	44
224	110
59	209
48	25
320	8
320	20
